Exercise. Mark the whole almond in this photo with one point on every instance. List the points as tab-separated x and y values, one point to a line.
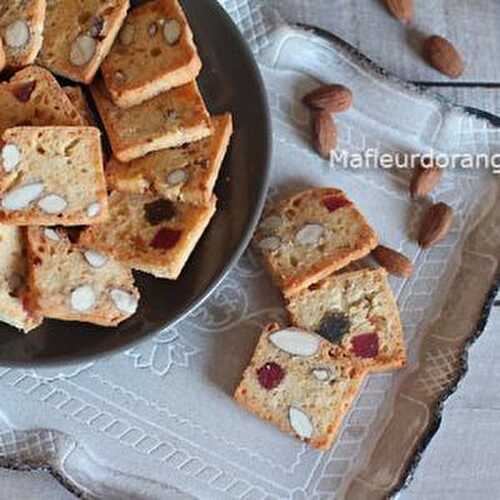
443	56
435	225
333	98
324	133
394	262
401	9
424	180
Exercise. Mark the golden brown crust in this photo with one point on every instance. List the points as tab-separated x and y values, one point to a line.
346	237
367	301
146	64
2	56
130	236
32	14
171	119
199	162
66	20
325	403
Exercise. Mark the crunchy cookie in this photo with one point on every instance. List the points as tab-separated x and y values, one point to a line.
168	120
52	175
294	382
308	236
77	98
14	308
358	313
21	28
153	53
2	57
185	174
33	97
77	284
78	35
148	233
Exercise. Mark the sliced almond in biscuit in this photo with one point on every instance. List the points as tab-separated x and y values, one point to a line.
17	34
271	243
52	204
82	50
124	301
51	234
94	209
11	156
296	342
172	31
83	298
322	374
177	177
300	423
310	234
95	259
21	197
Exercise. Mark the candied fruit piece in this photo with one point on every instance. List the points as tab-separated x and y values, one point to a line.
365	345
270	375
159	211
166	238
334	326
23	92
333	203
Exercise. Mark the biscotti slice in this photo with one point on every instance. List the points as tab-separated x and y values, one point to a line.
21	28
294	382
77	98
168	120
52	175
310	235
185	174
148	233
153	53
33	97
76	283
14	308
358	313
2	57
79	34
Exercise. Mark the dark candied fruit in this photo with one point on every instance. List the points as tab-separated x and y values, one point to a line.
333	203
159	211
96	27
334	326
270	375
23	92
365	345
166	238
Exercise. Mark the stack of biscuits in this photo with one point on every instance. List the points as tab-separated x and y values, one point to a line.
343	318
73	224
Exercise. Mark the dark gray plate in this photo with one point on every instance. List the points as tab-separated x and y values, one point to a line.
230	81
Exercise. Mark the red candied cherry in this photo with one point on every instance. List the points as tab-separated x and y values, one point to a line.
333	203
366	345
270	375
166	238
